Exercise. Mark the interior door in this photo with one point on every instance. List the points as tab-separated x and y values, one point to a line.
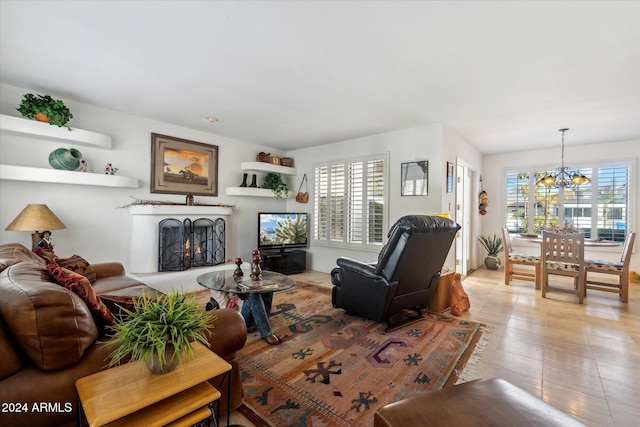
464	209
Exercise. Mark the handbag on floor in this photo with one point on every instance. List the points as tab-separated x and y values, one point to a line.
459	298
303	197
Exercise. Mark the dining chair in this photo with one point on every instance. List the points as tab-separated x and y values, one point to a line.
511	259
563	255
617	268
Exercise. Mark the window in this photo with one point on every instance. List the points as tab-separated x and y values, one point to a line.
600	209
349	202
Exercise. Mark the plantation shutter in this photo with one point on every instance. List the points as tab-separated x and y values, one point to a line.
349	201
321	195
375	200
600	209
337	203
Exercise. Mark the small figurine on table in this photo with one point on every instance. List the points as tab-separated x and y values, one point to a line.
256	271
84	165
45	242
237	273
110	170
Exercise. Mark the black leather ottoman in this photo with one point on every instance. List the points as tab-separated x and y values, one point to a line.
486	402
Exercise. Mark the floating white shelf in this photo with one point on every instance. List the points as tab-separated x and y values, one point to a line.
20	126
261	167
267	167
254	192
55	176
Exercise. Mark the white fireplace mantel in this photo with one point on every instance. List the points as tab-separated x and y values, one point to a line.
181	210
145	219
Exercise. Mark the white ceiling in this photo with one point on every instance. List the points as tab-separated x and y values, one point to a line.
504	75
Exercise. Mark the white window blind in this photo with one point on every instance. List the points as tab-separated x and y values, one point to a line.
349	202
599	209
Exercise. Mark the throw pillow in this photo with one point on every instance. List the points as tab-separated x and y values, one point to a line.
80	285
78	265
46	255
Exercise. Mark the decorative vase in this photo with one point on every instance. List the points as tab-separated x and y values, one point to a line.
244	180
254	184
170	362
66	159
492	262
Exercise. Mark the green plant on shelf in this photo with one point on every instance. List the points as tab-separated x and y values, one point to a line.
53	110
273	181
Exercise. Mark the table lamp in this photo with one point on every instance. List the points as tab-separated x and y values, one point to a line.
33	218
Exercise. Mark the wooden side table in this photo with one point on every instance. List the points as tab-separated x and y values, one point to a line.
441	297
131	394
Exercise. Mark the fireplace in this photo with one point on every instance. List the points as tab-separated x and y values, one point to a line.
206	245
185	244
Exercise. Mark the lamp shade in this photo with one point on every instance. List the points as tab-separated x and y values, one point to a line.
34	218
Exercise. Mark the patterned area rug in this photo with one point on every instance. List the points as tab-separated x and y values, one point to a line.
336	369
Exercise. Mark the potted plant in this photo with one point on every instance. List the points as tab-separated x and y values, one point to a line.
159	331
493	245
273	181
45	109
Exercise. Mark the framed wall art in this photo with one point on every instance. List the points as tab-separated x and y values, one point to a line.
449	177
414	178
180	166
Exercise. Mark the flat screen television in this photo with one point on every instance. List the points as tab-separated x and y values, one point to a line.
279	230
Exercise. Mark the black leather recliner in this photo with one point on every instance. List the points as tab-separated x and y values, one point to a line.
405	275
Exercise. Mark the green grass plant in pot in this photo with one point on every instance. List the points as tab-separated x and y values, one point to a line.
160	331
45	109
273	181
493	245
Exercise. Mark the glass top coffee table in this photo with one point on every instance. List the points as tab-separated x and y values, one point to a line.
225	281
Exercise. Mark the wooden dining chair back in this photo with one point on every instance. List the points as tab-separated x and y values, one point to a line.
563	255
616	268
512	259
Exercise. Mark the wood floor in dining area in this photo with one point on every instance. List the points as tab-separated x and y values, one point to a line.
582	359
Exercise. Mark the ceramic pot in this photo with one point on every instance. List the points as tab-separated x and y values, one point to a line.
170	362
41	117
65	159
492	262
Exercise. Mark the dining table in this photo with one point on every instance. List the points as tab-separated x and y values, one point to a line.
599	243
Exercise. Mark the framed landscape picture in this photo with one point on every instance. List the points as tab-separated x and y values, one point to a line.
180	166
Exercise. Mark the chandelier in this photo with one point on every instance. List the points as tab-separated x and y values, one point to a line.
562	177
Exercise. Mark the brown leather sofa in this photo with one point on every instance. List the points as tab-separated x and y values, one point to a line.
48	339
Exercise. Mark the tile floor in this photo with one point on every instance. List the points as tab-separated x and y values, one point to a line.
583	359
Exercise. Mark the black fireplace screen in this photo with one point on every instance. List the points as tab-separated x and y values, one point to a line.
186	244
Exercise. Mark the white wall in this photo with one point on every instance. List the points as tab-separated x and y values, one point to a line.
457	148
495	165
96	228
407	145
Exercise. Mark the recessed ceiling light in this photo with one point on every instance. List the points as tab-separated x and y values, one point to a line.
212	119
